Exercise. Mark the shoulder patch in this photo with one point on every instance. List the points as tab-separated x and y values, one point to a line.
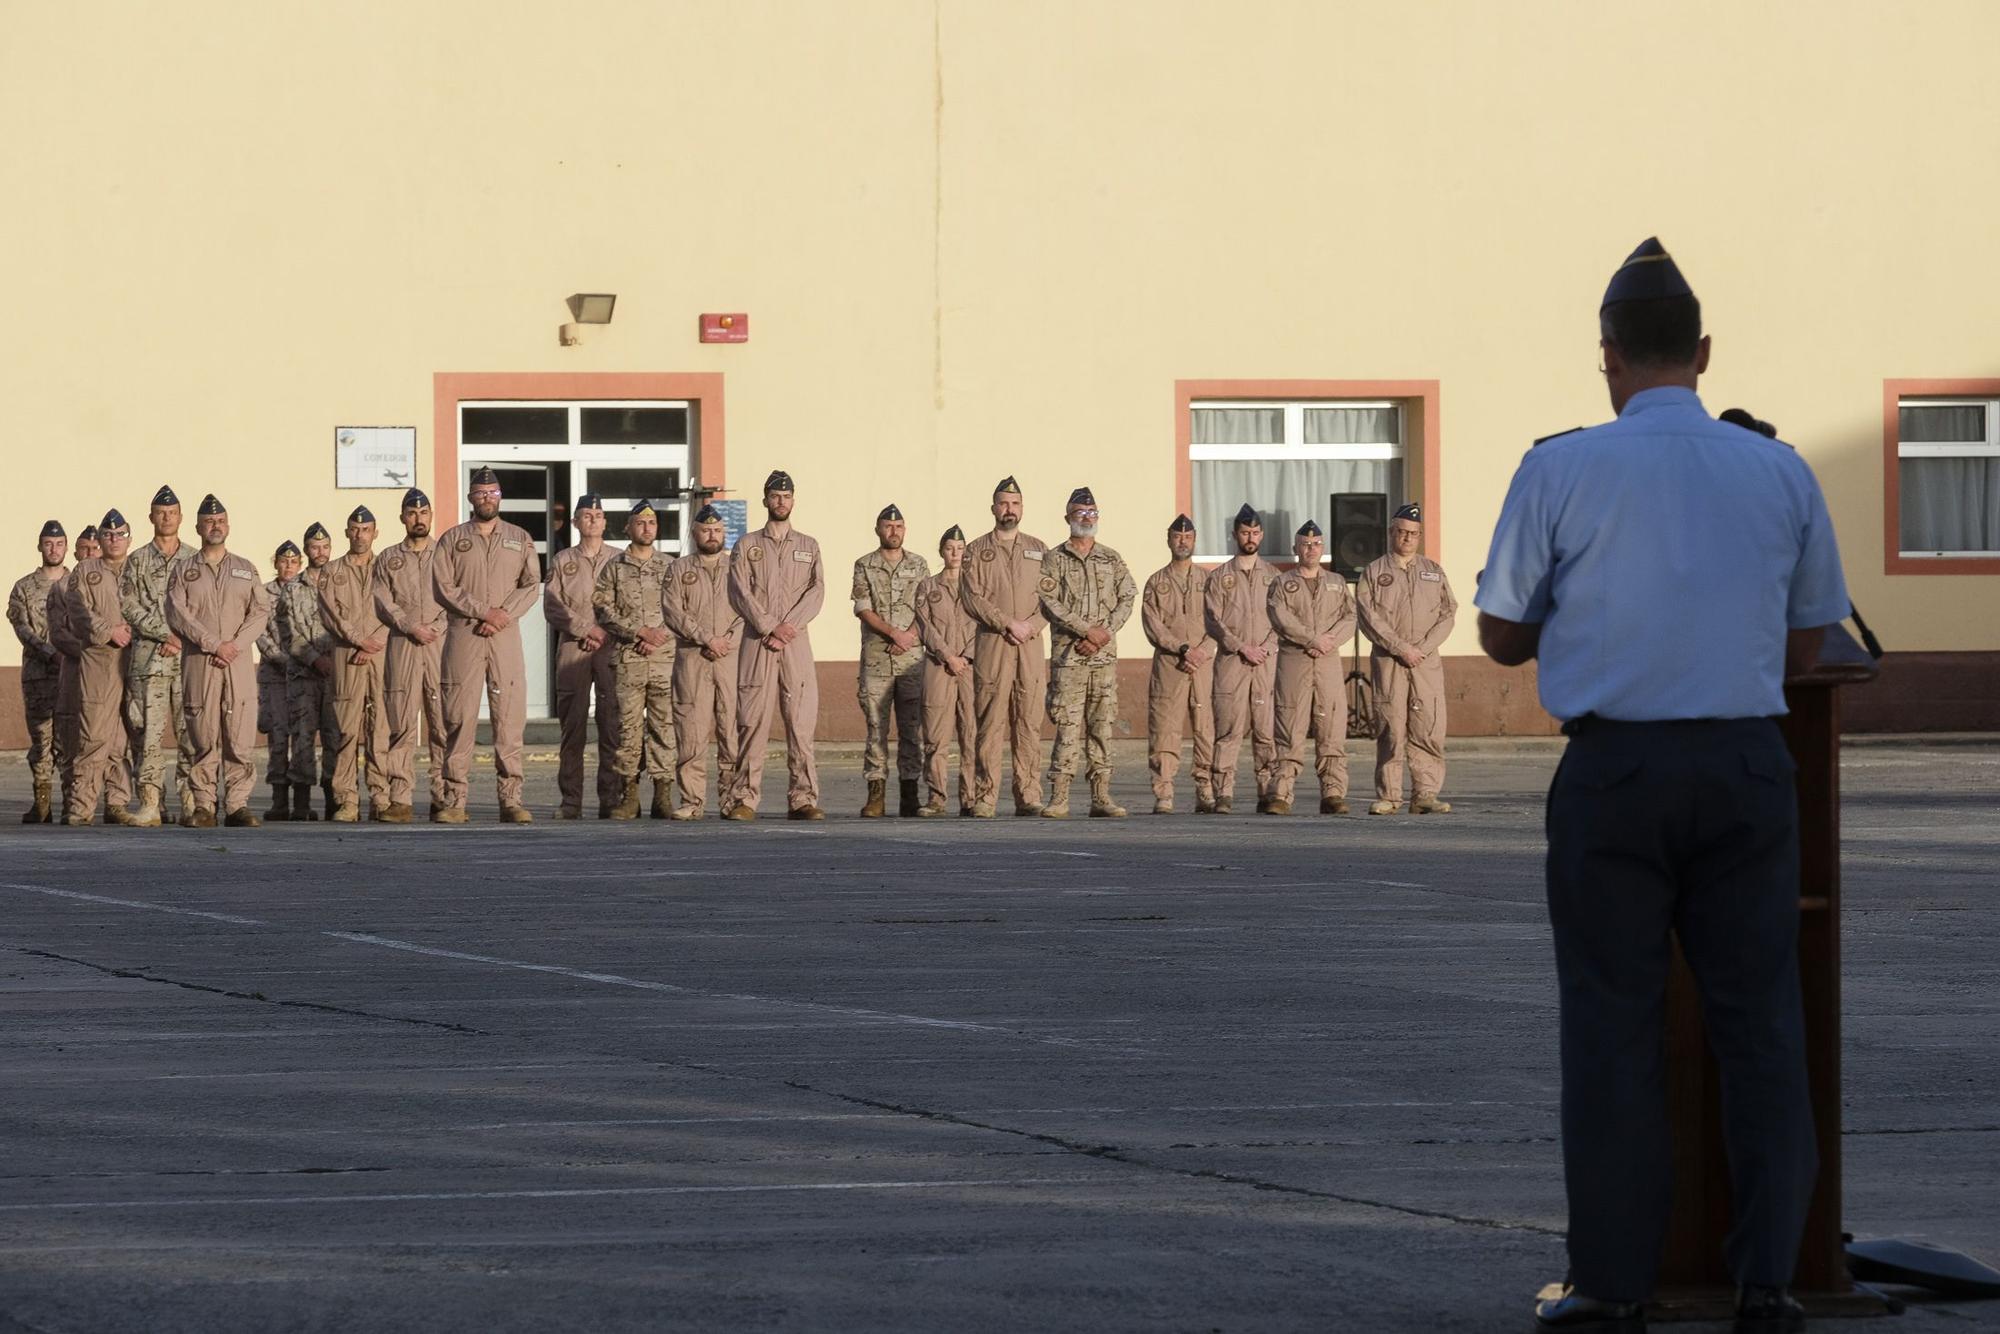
1291	585
94	577
1557	436
600	598
464	544
937	595
987	554
1228	582
569	568
396	563
1385	580
192	574
755	552
1048	584
689	577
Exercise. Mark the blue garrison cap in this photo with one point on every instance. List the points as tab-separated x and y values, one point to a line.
1309	529
589	500
88	534
708	514
1008	487
165	496
315	532
209	505
415	499
113	519
361	514
642	508
1648	274
1247	518
484	476
952	534
1082	496
53	528
286	548
779	480
1181	524
889	511
1412	511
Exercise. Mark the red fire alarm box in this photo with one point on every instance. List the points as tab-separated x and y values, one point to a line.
733	328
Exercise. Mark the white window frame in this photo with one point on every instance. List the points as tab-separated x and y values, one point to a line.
1294	445
1955	449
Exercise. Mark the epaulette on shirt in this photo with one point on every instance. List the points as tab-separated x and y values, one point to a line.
1557	436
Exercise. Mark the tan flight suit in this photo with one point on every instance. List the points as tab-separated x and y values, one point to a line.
1238	610
413	673
1009	681
473	573
1173	612
566	602
208	606
303	637
776	581
274	713
360	701
1311	693
698	611
104	737
890	681
1403	609
69	708
41	674
950	711
153	694
1078	592
630	597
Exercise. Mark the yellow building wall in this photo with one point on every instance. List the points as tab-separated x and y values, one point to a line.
975	238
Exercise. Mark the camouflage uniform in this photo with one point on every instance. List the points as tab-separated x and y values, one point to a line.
153	699
1078	592
630	597
28	608
303	638
891	679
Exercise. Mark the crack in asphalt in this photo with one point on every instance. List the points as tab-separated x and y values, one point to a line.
137	976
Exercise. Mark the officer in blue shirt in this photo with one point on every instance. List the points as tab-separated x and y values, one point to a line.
1667	569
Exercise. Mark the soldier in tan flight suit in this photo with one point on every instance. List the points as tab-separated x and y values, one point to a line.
1087	595
153	685
776	584
219	607
1239	619
708	632
274	710
631	608
69	690
950	714
308	650
586	663
41	664
892	661
1180	691
360	704
1407	611
96	618
1003	570
487	575
411	674
1313	614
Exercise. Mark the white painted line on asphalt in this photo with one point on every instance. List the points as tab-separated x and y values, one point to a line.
669	1121
644	984
1393	884
595	1192
1052	852
231	918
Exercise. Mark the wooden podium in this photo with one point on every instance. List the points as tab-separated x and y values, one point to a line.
1694	1284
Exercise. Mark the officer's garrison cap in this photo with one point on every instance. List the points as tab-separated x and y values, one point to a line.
890	514
1247	518
642	509
415	499
361	514
483	476
589	500
1648	274
209	507
1181	524
317	533
165	496
1412	511
53	528
1082	496
779	480
1008	487
1309	528
952	534
88	533
285	548
708	514
112	520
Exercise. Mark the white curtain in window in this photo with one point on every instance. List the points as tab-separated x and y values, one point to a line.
1954	424
1351	426
1238	426
1286	492
1949	504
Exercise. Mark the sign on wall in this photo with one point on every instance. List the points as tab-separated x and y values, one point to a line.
735	521
380	458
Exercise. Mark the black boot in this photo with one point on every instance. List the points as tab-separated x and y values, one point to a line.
908	803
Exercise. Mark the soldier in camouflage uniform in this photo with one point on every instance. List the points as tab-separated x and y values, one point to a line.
1086	594
153	669
41	670
892	663
631	606
308	650
274	713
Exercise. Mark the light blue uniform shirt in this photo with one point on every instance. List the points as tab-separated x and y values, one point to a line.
1665	555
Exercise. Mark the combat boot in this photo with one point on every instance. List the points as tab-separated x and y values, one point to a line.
302	807
933	808
326	793
1222	806
516	815
982	810
739	812
199	819
115	815
1058	807
243	818
907	800
448	815
663	802
1427	803
805	813
628	801
1332	806
875	807
396	812
1383	808
1163	805
38	813
1275	806
347	812
687	813
281	804
148	814
569	813
1204	801
1102	807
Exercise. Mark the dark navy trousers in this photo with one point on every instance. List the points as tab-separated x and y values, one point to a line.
1689	828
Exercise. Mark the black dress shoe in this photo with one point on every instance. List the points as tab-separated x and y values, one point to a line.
1768	1311
1573	1310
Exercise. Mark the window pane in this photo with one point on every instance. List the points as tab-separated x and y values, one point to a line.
1238	426
1352	426
1286	492
636	483
515	426
522	483
635	426
1956	424
1950	504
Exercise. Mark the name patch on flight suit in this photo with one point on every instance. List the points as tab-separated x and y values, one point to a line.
1430	576
510	544
1031	555
241	574
802	557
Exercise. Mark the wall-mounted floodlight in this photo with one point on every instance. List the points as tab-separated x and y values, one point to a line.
592	307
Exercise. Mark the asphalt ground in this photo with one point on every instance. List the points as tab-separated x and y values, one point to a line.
1185	1073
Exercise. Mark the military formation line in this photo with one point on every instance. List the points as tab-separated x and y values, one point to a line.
361	655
